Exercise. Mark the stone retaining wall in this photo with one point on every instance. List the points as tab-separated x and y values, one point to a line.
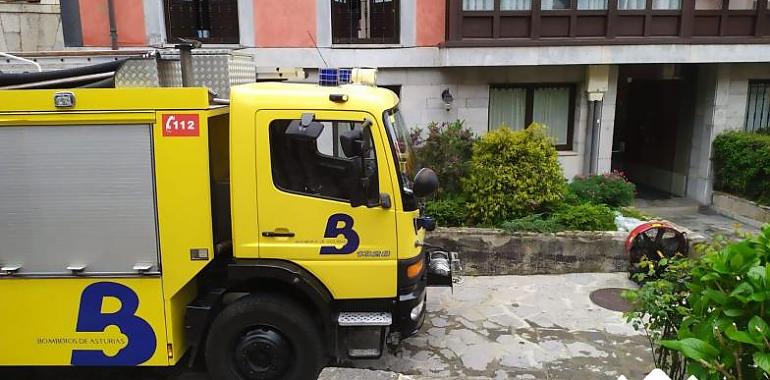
743	210
487	252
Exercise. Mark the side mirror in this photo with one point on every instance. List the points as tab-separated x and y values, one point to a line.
425	183
305	129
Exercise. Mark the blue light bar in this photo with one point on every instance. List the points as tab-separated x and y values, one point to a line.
333	77
345	75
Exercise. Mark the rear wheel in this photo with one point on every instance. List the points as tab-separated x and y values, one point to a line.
264	337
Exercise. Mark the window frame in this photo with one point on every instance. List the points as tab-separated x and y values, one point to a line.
318	153
755	82
393	40
173	39
529	108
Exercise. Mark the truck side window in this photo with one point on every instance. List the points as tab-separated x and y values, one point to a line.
318	167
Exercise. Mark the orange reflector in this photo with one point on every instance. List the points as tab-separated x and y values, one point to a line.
170	349
415	269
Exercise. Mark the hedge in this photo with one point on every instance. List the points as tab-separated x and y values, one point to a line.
742	165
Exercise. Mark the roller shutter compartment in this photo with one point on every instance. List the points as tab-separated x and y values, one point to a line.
77	196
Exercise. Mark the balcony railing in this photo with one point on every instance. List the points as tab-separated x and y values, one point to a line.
599	22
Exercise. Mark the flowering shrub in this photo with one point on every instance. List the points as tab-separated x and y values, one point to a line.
612	189
447	150
449	210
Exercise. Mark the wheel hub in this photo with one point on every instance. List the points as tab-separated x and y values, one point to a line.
262	354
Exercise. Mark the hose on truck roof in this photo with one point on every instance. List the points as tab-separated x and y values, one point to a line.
14	79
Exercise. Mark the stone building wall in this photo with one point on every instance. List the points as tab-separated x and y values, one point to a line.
27	26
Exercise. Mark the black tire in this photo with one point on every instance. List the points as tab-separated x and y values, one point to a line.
264	337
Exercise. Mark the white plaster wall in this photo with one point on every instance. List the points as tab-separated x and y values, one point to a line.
608	123
428	57
421	100
31	26
740	75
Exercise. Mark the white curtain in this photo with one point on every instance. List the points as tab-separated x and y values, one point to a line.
708	4
631	4
666	4
478	5
592	4
548	5
507	107
551	108
742	4
515	5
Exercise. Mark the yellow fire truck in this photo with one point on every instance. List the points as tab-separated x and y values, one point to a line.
265	235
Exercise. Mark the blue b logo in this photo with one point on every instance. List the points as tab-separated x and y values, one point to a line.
141	339
334	230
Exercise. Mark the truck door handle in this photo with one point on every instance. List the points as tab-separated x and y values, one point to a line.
278	234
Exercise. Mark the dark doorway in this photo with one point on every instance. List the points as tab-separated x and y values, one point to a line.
653	127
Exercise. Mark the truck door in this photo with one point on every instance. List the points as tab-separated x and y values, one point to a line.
304	189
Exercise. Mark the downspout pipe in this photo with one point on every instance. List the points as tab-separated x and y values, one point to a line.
596	130
593	132
113	24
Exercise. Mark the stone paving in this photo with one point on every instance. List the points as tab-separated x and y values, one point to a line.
503	327
525	327
687	213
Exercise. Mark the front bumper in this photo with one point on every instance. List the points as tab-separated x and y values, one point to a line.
441	269
410	309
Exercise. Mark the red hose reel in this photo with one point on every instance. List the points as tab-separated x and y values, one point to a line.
653	241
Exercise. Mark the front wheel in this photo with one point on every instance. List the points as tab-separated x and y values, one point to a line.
264	337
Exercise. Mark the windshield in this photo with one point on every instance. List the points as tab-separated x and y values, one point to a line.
403	153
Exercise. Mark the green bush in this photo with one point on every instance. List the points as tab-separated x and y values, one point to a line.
612	189
631	212
711	311
449	211
512	174
742	165
447	150
585	217
659	306
533	223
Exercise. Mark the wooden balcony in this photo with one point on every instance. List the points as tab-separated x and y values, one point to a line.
707	22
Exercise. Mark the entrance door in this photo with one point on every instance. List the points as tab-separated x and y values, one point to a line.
646	146
304	214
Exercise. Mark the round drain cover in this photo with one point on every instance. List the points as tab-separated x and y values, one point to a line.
610	298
